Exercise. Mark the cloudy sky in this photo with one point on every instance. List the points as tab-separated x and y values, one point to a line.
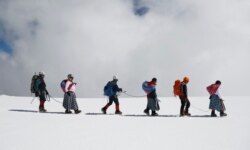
132	39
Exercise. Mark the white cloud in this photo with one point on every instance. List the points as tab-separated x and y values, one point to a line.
94	40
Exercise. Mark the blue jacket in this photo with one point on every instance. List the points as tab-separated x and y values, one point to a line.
115	87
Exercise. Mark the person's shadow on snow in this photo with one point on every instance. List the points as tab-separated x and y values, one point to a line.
34	111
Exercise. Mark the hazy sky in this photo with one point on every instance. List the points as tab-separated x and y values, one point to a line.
135	40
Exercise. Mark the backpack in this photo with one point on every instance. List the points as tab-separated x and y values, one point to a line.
63	84
147	88
32	85
177	88
212	89
108	89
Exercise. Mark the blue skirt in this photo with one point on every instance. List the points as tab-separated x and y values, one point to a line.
215	102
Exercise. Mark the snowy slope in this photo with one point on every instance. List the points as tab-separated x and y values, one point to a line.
23	128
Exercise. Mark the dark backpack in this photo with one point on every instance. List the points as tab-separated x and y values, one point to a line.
108	89
63	84
32	85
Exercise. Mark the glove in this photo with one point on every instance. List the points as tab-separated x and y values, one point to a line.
120	90
47	93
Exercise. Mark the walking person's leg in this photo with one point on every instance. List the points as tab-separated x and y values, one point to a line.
117	106
187	102
182	107
104	109
146	111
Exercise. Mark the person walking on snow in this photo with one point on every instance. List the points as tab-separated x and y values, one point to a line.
216	102
111	90
152	101
41	91
185	103
69	101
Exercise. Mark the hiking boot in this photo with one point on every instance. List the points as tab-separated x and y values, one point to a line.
118	112
146	111
222	114
68	112
154	113
213	114
182	113
187	114
103	111
77	111
42	109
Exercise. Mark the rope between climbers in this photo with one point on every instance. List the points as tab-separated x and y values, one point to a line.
125	92
199	108
55	99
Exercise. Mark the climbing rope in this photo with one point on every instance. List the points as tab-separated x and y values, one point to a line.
195	107
55	99
130	95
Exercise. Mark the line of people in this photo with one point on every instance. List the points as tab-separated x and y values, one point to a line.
38	87
111	90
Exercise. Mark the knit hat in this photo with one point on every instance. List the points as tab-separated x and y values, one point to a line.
218	82
41	73
186	79
70	76
154	80
115	78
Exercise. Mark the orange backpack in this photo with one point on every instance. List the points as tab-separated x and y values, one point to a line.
177	88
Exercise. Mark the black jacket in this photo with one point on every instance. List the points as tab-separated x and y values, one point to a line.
40	87
184	90
152	94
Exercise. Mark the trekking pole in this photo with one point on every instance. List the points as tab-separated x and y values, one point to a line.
32	100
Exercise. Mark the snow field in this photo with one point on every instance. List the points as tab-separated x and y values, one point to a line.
22	127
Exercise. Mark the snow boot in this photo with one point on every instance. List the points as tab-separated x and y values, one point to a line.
146	111
77	111
41	106
154	113
182	113
187	113
104	110
118	112
222	114
41	109
213	114
68	111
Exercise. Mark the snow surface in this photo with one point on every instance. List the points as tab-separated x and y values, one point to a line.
23	128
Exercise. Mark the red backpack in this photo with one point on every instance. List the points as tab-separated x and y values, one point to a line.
212	89
177	88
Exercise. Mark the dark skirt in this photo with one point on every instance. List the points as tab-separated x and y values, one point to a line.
153	104
69	101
